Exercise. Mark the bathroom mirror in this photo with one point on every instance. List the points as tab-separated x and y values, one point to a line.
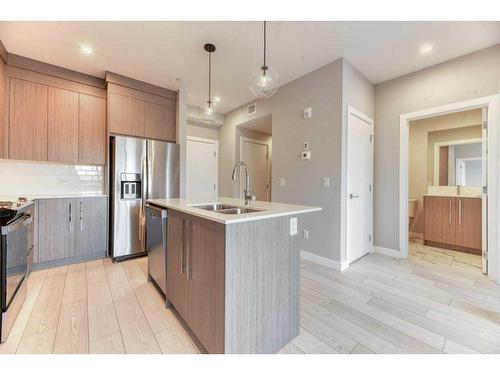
458	162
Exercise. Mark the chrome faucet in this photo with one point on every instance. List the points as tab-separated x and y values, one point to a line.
248	196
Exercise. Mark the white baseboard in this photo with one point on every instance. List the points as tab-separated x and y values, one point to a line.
329	263
386	251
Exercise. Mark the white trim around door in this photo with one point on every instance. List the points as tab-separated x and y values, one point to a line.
492	104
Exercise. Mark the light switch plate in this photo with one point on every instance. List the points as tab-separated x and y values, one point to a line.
305	234
293	226
326	182
282	182
306	145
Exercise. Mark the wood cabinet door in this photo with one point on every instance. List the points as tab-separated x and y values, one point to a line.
56	229
62	125
126	115
160	122
469	222
27	120
91	224
177	283
206	267
91	130
440	219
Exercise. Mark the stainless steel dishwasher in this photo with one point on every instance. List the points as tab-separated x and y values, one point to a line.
156	244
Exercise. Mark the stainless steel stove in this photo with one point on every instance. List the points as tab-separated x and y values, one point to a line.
16	251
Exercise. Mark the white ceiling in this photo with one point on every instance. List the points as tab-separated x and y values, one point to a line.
159	52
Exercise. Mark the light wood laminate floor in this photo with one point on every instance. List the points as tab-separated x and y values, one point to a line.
378	305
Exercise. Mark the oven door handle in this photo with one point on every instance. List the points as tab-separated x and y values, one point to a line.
23	221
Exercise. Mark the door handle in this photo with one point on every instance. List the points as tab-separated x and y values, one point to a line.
183	245
189	267
449	213
81	215
459	212
70	219
352	196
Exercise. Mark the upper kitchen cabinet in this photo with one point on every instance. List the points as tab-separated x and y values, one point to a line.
62	125
27	120
91	129
126	115
140	109
59	116
160	121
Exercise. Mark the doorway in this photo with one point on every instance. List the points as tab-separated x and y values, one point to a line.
255	154
460	204
359	185
201	168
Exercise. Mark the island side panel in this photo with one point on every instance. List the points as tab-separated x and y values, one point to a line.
262	286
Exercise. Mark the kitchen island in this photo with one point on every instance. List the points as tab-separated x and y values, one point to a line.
233	271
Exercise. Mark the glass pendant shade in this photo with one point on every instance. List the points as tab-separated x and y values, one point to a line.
264	82
208	112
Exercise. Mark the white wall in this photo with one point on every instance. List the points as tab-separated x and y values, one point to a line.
467	77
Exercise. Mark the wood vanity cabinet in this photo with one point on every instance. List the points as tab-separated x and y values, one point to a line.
70	229
195	276
453	222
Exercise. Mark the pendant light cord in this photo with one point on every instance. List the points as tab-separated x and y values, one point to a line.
209	78
265	43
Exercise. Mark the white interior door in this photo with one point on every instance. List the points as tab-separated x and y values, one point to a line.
359	185
256	155
484	196
201	168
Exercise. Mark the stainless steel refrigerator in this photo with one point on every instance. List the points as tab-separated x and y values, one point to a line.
139	170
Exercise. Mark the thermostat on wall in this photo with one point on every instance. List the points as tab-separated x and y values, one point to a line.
306	155
308	112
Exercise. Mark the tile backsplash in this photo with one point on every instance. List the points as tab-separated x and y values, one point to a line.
24	177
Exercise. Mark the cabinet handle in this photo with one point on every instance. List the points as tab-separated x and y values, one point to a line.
183	245
70	216
81	215
459	212
449	213
189	268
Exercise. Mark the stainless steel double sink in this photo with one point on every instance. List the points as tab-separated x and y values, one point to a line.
226	209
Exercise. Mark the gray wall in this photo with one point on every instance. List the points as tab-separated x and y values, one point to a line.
328	91
467	77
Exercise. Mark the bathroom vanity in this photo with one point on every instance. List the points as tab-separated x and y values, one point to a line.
453	222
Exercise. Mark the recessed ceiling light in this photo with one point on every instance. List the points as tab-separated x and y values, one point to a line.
426	48
217	99
86	49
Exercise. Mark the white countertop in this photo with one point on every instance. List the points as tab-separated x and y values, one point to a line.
51	196
451	195
270	209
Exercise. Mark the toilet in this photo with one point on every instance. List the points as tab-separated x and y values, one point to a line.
412	206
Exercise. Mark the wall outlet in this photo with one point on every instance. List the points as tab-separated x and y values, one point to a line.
326	182
282	182
305	234
306	155
308	112
293	226
306	145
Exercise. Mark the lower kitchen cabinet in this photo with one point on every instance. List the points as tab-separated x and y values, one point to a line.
195	276
70	229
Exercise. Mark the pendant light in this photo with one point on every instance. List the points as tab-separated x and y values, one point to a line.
264	83
207	111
